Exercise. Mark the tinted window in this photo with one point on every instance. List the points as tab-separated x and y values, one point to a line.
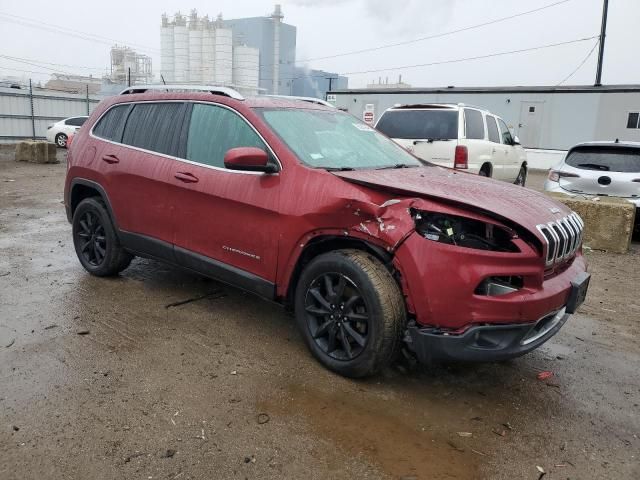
155	127
605	159
492	127
419	124
474	126
633	120
505	133
214	131
76	121
110	125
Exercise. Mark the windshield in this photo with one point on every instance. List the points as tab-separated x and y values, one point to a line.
617	159
335	140
420	124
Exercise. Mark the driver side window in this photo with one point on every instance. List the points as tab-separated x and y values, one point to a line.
215	130
505	133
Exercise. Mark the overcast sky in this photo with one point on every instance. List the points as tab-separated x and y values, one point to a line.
328	27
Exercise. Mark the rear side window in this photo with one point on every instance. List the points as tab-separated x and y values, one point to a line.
156	127
604	159
420	124
215	130
76	121
110	125
474	126
492	128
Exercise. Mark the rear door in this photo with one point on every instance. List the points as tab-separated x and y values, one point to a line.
603	170
513	153
137	167
429	133
225	222
475	139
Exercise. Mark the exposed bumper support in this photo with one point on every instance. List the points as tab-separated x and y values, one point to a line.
484	343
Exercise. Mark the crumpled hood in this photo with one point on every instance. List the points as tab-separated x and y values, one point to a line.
522	206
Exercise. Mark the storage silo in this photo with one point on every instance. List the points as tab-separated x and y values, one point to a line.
195	48
181	50
224	54
246	65
208	52
166	50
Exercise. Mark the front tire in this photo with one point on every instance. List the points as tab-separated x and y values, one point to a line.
351	312
61	140
95	240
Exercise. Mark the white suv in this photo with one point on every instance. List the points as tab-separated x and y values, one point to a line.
60	132
457	136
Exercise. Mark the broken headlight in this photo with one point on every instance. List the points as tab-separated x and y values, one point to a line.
464	232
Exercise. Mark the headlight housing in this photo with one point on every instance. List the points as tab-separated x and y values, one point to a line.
464	232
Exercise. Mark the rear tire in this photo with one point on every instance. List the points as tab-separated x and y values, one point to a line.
61	140
521	180
485	171
95	240
351	312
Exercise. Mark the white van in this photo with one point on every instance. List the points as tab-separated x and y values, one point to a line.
457	136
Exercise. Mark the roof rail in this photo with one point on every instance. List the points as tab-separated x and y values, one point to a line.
302	99
226	91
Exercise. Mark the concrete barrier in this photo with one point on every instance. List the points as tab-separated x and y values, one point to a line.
608	221
36	152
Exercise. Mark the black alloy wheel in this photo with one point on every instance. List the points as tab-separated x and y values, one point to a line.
337	316
93	242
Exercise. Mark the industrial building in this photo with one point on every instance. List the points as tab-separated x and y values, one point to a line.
130	67
553	118
316	83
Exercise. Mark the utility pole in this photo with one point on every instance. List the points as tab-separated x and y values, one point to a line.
331	79
129	77
603	34
33	117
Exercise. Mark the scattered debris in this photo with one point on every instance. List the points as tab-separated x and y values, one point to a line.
507	426
482	454
581	339
250	459
545	375
454	446
132	456
10	343
541	470
465	434
235	400
5	274
15	428
169	453
49	327
263	418
83	332
235	372
500	433
219	294
477	419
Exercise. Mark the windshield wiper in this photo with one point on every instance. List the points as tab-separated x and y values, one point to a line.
397	165
337	169
594	166
431	140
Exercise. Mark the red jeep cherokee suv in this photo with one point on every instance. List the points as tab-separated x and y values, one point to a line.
305	205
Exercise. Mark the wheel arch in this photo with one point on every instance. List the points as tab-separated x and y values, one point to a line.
327	243
488	166
82	188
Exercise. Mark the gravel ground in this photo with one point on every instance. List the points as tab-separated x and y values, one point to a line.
101	379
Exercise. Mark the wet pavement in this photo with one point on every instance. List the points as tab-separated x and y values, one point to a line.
103	378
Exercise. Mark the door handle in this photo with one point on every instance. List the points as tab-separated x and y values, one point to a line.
111	159
493	151
186	177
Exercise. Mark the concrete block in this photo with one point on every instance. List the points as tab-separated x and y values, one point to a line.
608	221
36	152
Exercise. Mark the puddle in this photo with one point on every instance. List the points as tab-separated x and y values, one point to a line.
370	427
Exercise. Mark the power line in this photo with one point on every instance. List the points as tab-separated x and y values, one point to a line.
9	18
38	63
457	60
593	49
437	35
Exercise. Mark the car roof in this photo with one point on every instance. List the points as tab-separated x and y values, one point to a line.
608	143
436	106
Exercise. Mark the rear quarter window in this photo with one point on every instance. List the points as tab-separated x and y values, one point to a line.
420	124
110	125
622	160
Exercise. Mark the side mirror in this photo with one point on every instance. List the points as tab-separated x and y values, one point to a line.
516	140
249	159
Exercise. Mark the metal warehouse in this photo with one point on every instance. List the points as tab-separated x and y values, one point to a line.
552	118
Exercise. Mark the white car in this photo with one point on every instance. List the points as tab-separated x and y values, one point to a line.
457	136
59	132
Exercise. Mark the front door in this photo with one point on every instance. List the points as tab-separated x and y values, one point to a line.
225	222
529	129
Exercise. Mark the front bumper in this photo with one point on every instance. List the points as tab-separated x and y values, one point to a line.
483	343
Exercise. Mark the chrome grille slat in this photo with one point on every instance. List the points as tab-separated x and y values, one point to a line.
563	238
